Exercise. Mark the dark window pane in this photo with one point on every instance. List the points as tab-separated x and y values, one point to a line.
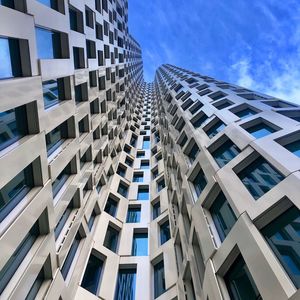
283	236
159	279
125	289
156	210
91	278
111	207
15	190
225	153
223	216
240	283
260	177
111	239
164	232
260	130
133	215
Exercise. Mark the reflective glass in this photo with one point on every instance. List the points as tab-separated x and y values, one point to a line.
225	153
133	215
164	232
140	244
260	130
260	177
159	279
125	289
283	236
294	147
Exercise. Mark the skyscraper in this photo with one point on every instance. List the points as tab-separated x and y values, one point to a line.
113	188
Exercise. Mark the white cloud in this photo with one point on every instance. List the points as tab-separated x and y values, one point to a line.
284	84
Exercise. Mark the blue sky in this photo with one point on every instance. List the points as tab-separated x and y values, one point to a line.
253	43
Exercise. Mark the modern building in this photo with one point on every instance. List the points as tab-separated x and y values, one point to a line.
113	188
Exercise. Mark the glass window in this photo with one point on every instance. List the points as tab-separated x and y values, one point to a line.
260	130
13	126
61	179
111	239
138	177
245	113
156	210
159	279
17	257
10	58
198	121
15	190
143	193
225	153
56	137
70	256
32	294
48	44
222	215
240	283
133	215
193	153
215	129
111	207
144	164
63	219
92	274
294	147
125	289
129	161
260	177
50	93
50	3
121	171
140	154
160	185
140	244
123	189
199	183
133	141
146	143
76	20
164	232
283	236
92	219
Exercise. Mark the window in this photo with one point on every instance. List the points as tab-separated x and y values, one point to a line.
91	49
138	177
83	126
143	193
125	289
164	232
9	269
92	219
56	137
81	93
111	206
193	152
140	244
133	140
54	4
225	153
111	239
283	237
222	215
76	19
240	283
92	274
155	210
155	173
140	154
195	107
260	177
51	44
56	90
63	220
13	126
70	256
294	147
245	113
61	179
133	215
199	183
15	190
89	17
198	120
260	130
121	170
78	56
123	189
159	279
146	143
215	129
129	161
99	31
160	185
144	164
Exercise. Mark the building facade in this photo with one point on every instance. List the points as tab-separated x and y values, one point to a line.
113	188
